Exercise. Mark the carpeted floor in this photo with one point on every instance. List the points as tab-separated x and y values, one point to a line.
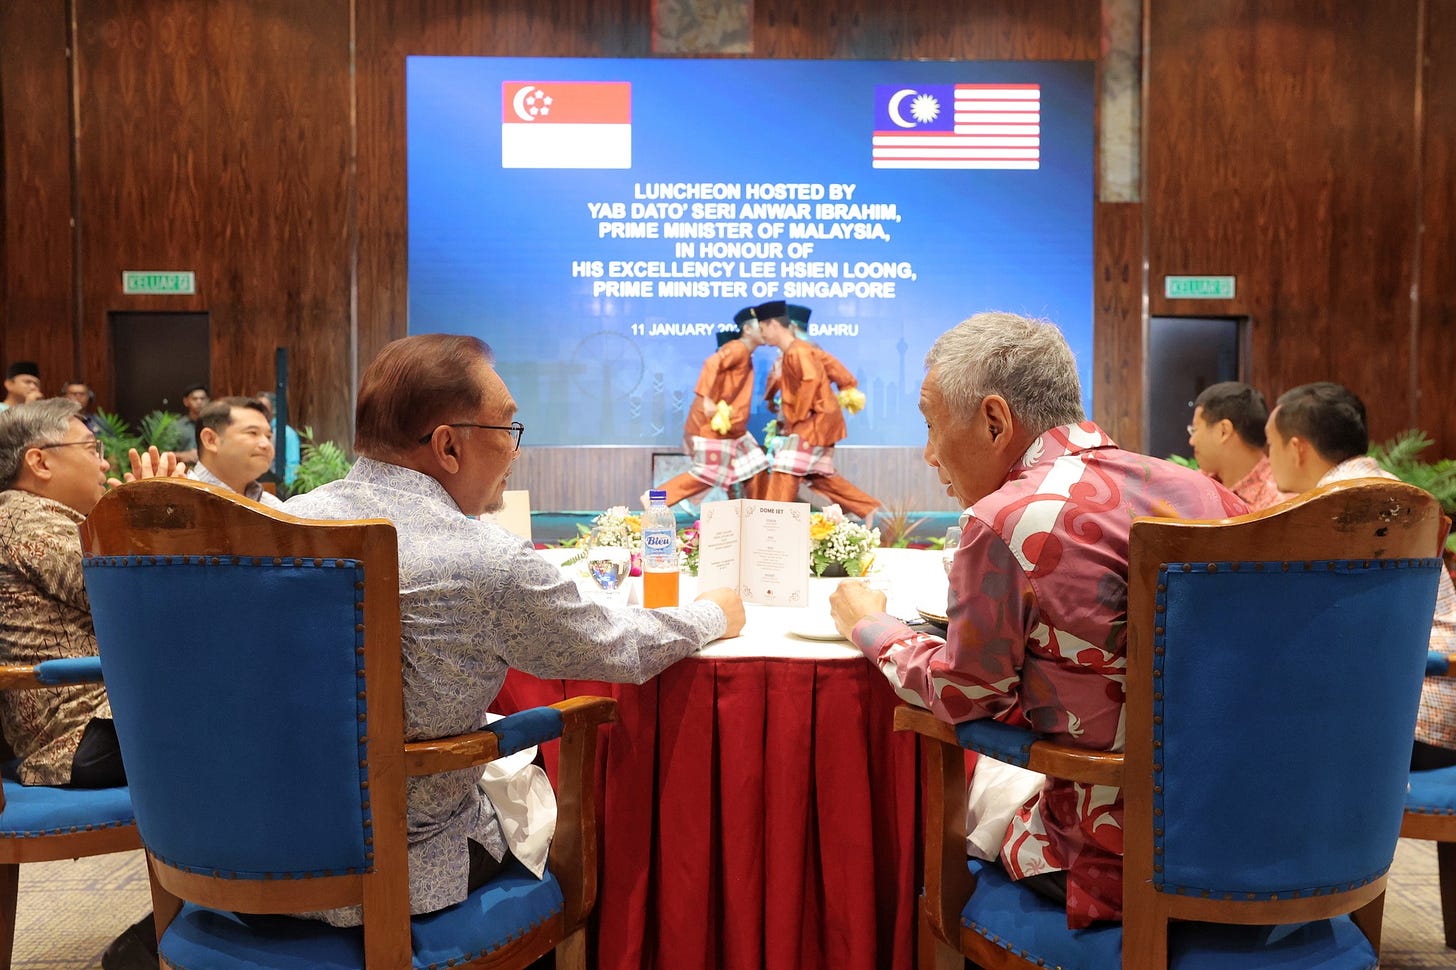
68	911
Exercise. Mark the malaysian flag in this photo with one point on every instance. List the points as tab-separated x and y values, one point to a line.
957	126
566	124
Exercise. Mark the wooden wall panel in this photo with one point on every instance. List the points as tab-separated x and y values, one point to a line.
1280	144
873	29
1117	382
1435	347
216	138
280	187
142	91
37	313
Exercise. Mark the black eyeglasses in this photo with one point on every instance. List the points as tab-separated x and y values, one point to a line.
516	429
93	443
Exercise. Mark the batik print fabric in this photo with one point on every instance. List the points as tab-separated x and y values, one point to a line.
476	600
1037	637
1257	488
1436	720
201	473
44	615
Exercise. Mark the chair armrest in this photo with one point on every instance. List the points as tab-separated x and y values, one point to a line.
52	673
506	736
1438	664
1017	746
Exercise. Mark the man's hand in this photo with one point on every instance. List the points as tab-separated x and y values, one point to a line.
731	604
150	464
852	602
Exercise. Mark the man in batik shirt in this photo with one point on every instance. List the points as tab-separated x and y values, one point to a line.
1038	590
716	434
1227	436
1317	435
811	415
436	435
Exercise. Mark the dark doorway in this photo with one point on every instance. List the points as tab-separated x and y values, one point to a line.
157	355
1185	355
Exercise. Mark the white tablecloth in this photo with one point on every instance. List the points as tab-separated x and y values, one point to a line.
911	578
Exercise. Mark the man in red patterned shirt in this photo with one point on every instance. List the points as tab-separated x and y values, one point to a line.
1038	590
1227	436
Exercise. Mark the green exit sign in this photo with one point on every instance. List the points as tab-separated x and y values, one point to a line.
1198	287
179	282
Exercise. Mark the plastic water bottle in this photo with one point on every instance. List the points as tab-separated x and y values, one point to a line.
659	552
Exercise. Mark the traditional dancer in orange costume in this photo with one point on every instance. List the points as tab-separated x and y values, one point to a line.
811	418
716	434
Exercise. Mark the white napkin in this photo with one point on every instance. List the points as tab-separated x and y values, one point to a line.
997	792
524	804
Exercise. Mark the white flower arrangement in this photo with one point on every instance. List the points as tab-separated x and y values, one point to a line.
618	527
836	541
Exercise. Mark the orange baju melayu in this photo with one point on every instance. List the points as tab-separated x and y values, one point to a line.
730	457
812	423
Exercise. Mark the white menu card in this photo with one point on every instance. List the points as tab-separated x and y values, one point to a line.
759	548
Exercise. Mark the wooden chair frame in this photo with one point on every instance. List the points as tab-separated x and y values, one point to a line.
1440	829
167	517
1379	519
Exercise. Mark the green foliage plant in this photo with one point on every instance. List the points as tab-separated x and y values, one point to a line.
157	428
320	462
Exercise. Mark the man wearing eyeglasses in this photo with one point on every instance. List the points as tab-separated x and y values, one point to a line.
52	473
437	436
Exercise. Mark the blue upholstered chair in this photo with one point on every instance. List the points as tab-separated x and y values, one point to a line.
1430	813
1274	668
264	744
42	824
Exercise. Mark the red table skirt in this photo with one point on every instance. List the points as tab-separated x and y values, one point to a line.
754	813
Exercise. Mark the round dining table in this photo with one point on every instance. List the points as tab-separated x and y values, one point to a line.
755	808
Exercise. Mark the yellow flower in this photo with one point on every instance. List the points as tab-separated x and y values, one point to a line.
820	528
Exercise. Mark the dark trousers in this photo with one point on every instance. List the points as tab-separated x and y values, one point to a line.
97	762
1428	757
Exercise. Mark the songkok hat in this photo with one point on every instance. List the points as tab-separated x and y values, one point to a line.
772	310
799	314
743	316
22	367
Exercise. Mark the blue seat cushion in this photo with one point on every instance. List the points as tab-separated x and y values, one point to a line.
1035	928
1431	792
494	915
32	810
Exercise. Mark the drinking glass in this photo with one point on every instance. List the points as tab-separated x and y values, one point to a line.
609	567
952	542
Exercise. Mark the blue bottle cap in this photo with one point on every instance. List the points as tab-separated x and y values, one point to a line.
657	495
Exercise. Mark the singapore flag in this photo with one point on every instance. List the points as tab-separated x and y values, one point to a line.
566	124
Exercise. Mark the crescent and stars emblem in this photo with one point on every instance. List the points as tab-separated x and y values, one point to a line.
894	107
924	108
531	103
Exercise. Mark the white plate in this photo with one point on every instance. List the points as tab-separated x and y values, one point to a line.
934	612
817	628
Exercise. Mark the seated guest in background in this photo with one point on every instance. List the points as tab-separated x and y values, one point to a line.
436	436
79	392
22	384
194	399
292	447
234	447
1317	435
52	474
1038	589
1227	435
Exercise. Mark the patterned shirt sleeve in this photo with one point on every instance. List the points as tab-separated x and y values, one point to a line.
542	625
976	671
47	553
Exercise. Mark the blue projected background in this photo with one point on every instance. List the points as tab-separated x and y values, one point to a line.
599	296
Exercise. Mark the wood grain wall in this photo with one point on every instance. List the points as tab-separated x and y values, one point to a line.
1305	146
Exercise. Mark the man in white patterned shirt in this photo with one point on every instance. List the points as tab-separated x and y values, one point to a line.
1317	435
234	447
436	436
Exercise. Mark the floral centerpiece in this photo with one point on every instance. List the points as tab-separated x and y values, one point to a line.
619	527
838	545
